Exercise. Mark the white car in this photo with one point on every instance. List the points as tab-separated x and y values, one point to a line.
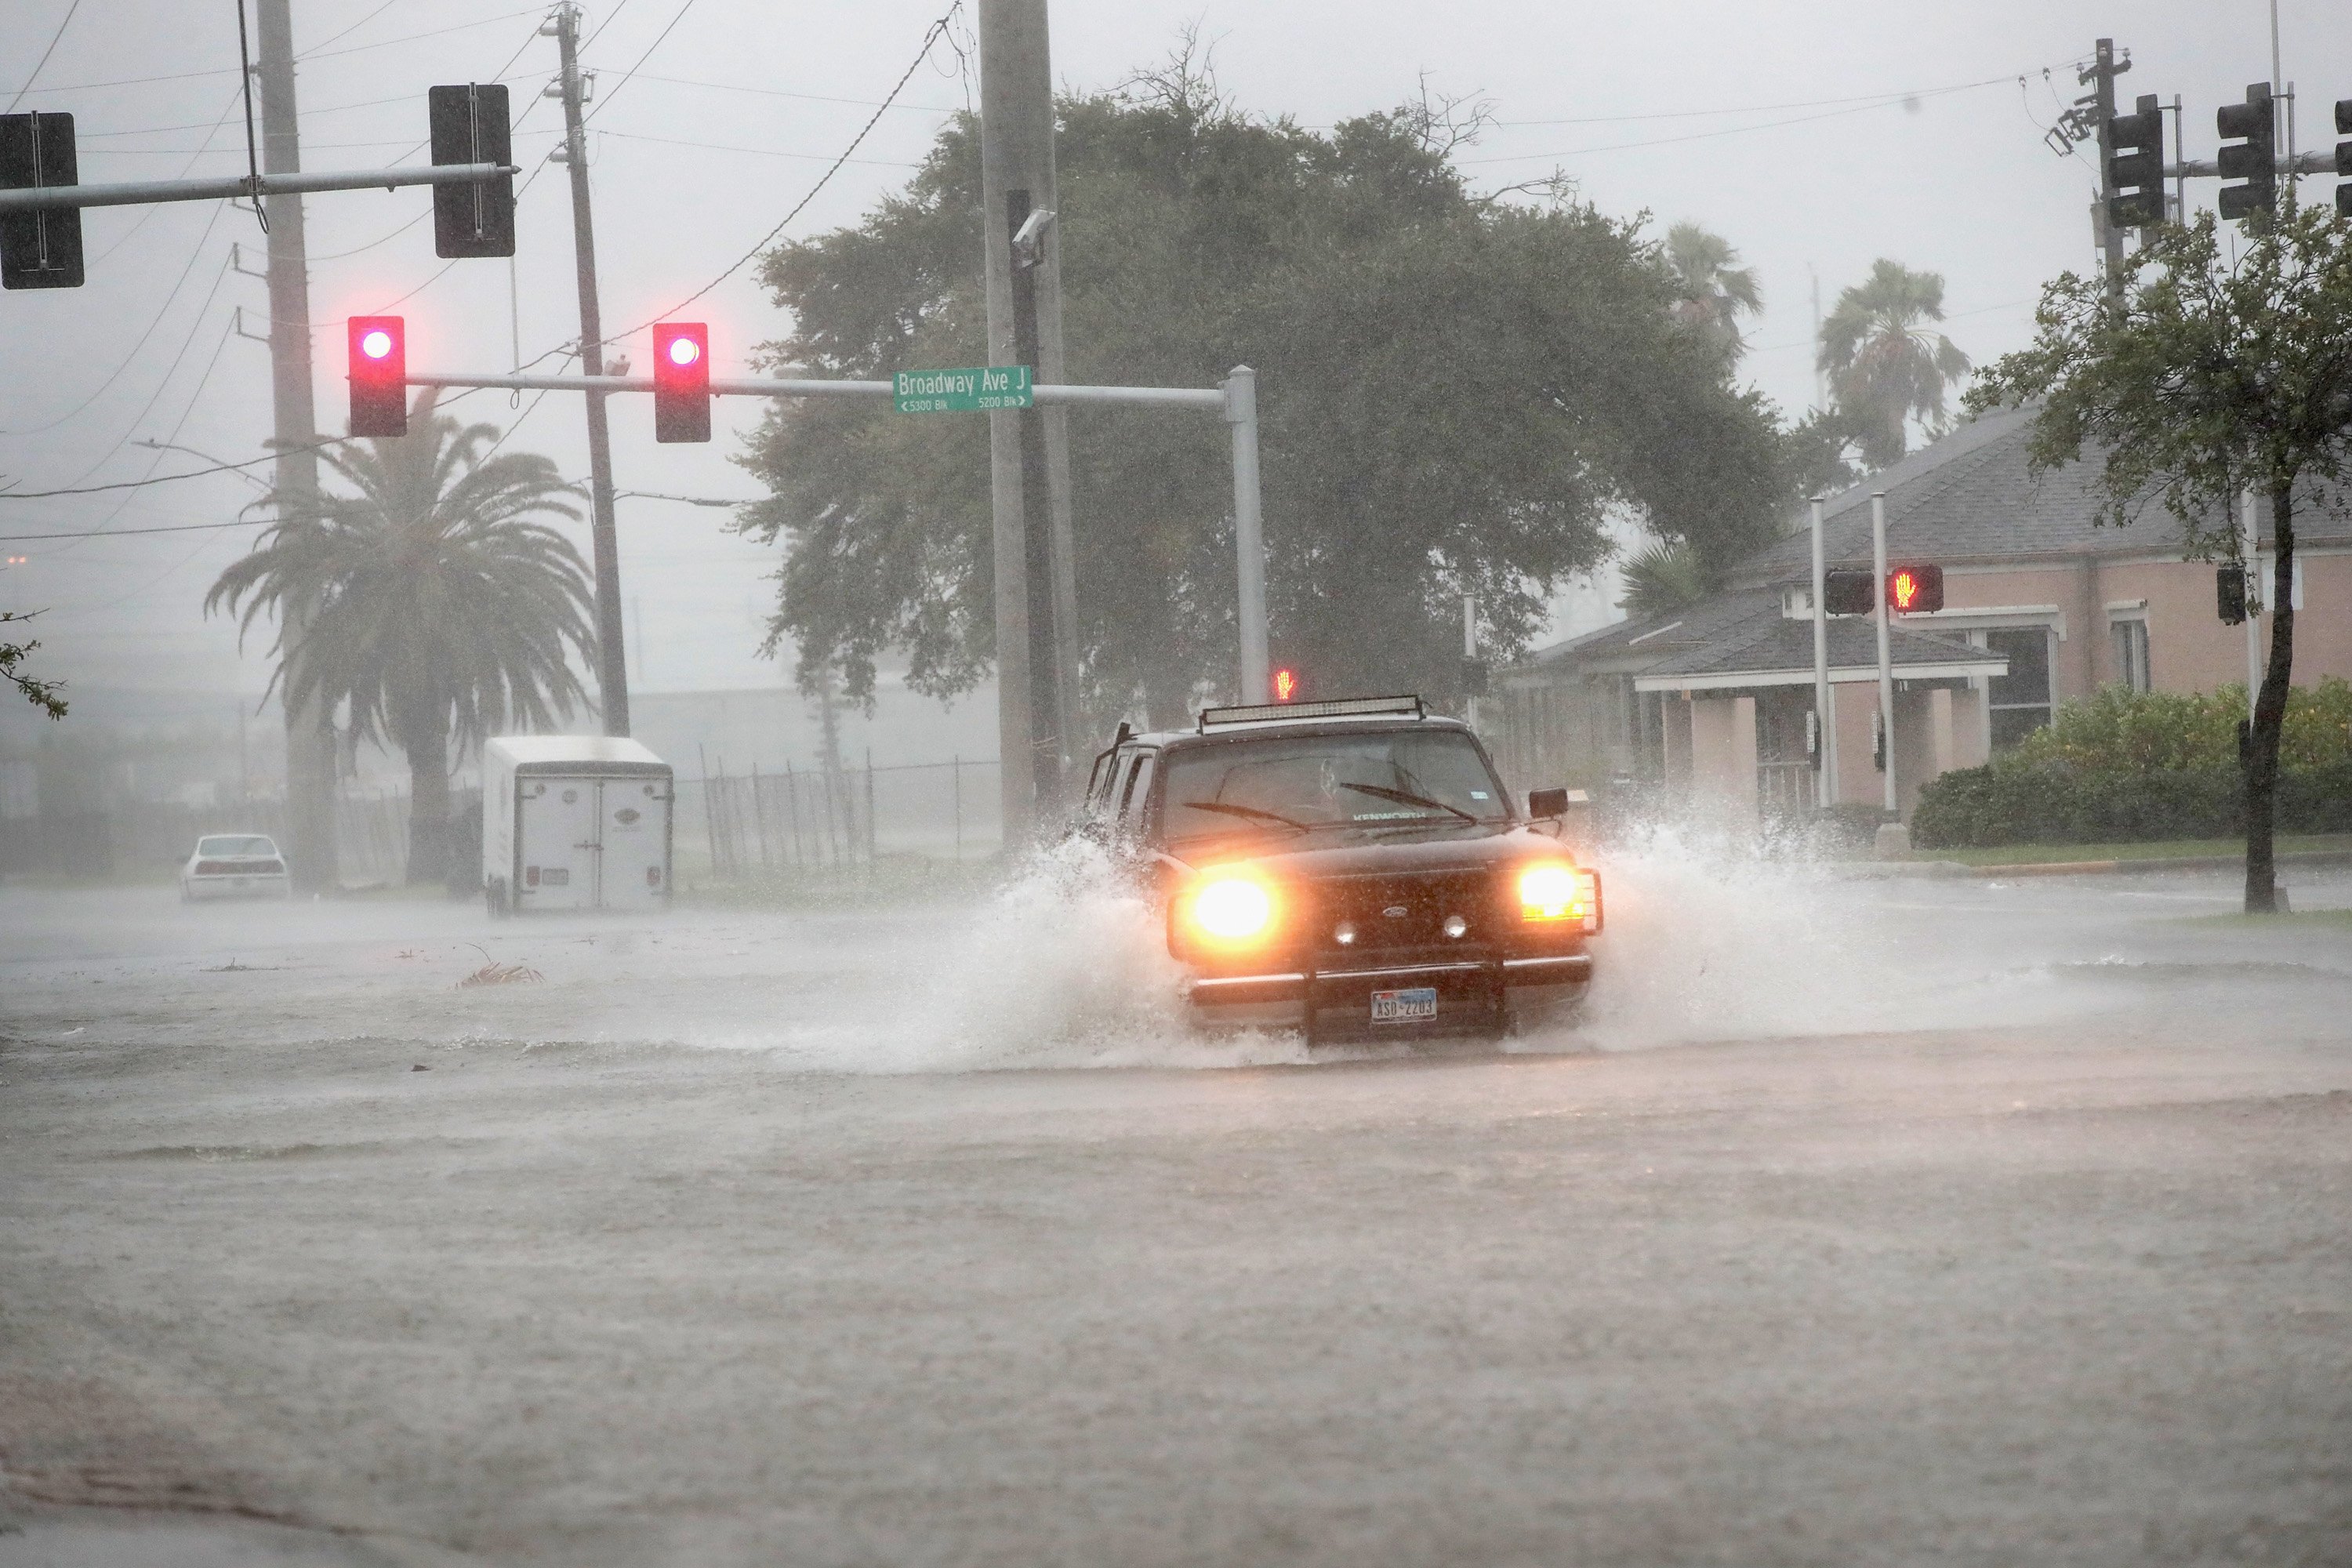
234	866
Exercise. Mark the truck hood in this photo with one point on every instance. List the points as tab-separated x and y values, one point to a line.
1463	848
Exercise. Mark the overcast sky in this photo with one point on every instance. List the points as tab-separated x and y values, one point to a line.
1815	135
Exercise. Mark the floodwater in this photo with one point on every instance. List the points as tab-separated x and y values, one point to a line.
1892	1220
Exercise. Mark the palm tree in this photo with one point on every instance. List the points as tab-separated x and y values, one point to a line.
1711	293
1663	577
1884	367
441	609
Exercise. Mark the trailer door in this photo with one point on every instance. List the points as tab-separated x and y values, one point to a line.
635	859
559	844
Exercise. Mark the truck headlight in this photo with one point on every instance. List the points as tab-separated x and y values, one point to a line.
1548	892
1233	909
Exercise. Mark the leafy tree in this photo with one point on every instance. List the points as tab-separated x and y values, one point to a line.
1711	293
2210	377
441	606
1452	390
1665	576
1886	367
41	694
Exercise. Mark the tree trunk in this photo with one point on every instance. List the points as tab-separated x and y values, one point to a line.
427	746
2261	762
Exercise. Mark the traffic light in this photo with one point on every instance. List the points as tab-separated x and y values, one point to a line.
40	248
1285	685
681	382
379	372
1847	593
2136	166
1914	590
2254	157
470	126
2344	155
2230	594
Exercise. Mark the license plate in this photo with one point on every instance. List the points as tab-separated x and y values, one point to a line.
1405	1007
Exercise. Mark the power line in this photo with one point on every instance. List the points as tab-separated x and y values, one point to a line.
354	27
814	97
762	152
1732	129
54	39
642	58
1864	98
931	35
194	257
167	478
319	55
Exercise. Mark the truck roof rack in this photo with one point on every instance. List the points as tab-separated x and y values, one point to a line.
1337	708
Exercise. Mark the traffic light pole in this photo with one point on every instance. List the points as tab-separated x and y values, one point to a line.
289	183
611	668
2102	75
1824	711
1886	654
1235	401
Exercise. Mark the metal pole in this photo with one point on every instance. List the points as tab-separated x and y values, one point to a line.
1825	714
611	670
1249	529
310	726
956	784
1886	658
147	193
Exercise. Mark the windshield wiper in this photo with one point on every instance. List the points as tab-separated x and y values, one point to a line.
1405	797
1251	812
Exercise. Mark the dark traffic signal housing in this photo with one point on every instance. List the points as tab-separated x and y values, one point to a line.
379	372
40	248
1914	590
470	126
1846	592
2230	594
681	381
2136	166
2254	157
2344	155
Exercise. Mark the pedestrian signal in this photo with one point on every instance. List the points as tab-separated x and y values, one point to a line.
1847	593
681	382
379	375
1285	685
1914	590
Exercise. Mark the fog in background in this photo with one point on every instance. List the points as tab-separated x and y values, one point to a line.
1862	129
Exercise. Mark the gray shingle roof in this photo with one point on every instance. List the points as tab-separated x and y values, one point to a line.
1970	498
1770	641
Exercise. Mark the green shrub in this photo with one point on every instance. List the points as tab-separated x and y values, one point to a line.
2126	766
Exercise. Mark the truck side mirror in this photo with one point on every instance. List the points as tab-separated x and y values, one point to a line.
1544	802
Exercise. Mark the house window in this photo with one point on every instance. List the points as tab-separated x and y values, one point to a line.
2130	638
2020	700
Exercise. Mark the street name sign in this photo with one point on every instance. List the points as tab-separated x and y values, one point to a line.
961	391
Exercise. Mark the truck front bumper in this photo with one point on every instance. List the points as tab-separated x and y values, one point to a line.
1471	994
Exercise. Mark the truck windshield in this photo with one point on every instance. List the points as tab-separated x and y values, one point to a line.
1306	783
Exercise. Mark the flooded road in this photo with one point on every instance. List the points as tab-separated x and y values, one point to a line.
1888	1221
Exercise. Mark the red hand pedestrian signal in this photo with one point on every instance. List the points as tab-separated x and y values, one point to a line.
1285	685
379	372
1914	590
681	382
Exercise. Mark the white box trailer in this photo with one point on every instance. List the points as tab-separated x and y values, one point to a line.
574	822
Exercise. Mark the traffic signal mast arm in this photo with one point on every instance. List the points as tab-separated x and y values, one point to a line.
138	192
745	387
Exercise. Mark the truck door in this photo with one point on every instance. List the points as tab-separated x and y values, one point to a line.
559	844
635	859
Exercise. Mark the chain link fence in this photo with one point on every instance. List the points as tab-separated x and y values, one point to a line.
736	824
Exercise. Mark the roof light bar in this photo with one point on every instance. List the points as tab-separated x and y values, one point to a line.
1338	708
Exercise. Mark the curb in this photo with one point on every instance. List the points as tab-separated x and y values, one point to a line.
2115	868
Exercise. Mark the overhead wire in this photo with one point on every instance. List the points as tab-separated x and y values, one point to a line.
194	257
315	55
55	39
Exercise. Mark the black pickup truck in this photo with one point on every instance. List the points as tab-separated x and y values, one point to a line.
1351	867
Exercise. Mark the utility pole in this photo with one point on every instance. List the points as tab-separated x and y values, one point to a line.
1029	463
309	727
2109	234
612	670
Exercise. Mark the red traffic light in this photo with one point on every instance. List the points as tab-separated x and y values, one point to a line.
681	381
1914	590
379	374
1285	685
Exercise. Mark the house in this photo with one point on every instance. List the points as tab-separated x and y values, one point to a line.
2041	606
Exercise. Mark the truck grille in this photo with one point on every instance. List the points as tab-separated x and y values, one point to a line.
1395	912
